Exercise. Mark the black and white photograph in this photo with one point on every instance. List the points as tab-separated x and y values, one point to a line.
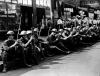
49	37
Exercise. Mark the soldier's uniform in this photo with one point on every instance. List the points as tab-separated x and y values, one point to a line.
30	48
37	42
8	50
53	40
23	49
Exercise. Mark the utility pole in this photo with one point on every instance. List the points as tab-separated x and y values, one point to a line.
34	22
52	11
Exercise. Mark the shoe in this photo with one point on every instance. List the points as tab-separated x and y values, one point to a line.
27	65
4	70
68	52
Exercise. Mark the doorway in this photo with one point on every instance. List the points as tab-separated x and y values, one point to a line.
26	20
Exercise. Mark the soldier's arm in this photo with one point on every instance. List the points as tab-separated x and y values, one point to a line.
63	34
4	45
29	41
76	34
16	42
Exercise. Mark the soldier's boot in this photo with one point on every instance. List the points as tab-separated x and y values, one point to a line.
4	59
66	50
35	59
4	68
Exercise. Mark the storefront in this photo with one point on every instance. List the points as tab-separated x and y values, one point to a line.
16	12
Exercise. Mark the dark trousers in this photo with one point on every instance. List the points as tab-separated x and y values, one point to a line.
59	26
8	55
60	45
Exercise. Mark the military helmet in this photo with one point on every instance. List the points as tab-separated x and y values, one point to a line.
69	29
29	32
54	30
65	28
60	30
10	33
35	29
23	33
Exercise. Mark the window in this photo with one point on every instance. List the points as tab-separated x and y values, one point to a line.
3	17
1	0
30	2
14	1
13	14
19	1
8	0
25	2
48	3
37	2
41	2
45	3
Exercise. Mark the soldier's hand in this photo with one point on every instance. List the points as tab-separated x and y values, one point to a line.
16	42
31	38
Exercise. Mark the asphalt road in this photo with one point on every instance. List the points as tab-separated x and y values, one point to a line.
83	63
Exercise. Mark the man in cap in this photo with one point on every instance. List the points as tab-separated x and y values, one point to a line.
59	23
8	49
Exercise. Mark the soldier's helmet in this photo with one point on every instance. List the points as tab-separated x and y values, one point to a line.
69	29
65	28
35	29
60	30
23	33
10	33
54	30
29	32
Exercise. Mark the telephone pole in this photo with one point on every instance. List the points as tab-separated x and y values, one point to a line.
34	21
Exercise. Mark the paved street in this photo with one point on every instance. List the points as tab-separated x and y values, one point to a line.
84	63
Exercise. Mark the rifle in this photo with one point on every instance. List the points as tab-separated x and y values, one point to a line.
19	27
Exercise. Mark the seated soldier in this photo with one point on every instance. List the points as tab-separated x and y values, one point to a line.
31	54
42	44
61	39
53	40
70	39
23	44
38	43
8	49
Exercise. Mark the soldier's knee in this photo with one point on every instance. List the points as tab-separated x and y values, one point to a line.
4	54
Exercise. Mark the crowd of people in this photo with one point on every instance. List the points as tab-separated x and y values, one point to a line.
29	49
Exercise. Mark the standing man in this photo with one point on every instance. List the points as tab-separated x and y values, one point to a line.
59	23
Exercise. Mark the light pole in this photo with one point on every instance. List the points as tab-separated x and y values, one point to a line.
34	13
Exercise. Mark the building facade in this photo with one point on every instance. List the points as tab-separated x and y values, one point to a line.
19	12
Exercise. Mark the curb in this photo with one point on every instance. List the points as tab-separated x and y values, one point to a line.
0	58
1	67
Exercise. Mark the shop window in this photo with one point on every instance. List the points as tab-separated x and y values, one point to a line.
13	15
3	17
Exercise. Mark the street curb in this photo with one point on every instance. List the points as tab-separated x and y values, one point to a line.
0	58
1	67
